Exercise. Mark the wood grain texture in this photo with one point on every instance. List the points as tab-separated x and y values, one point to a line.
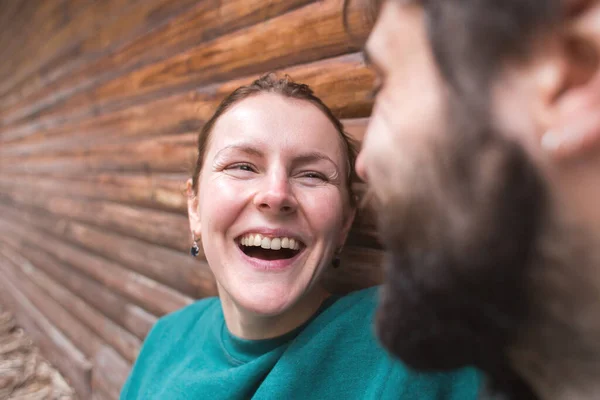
56	347
110	304
121	340
109	372
343	83
150	295
113	28
206	21
80	335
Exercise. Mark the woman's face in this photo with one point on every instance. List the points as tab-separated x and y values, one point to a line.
272	206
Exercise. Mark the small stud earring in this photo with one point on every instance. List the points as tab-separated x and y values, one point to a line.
195	250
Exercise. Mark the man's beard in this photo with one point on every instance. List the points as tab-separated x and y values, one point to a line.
460	231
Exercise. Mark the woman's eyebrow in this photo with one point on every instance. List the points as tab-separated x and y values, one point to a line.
313	157
244	148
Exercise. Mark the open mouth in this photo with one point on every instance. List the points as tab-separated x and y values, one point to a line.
269	248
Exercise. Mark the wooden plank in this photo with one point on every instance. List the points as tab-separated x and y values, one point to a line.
145	292
191	276
138	321
164	192
308	34
88	19
133	22
110	372
166	154
31	21
80	335
100	395
158	227
343	83
55	347
112	305
207	20
124	342
51	18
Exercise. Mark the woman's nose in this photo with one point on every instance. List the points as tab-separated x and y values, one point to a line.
276	197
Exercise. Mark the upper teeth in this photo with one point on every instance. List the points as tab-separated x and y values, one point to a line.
275	243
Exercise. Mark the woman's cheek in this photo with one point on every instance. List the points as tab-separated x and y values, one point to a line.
224	199
324	208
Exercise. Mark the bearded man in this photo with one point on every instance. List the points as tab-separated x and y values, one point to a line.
483	157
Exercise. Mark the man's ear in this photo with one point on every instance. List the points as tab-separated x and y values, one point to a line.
574	129
193	210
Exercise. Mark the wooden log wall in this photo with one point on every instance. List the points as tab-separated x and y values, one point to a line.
100	106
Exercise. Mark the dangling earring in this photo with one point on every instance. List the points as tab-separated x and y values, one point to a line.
337	258
195	250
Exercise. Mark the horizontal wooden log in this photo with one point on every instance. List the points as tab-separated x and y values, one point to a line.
44	19
138	321
190	276
308	34
343	83
110	304
50	63
91	16
142	291
182	272
158	227
100	395
80	335
55	347
124	342
164	192
110	372
166	154
206	21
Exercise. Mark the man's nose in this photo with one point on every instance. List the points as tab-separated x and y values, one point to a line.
276	196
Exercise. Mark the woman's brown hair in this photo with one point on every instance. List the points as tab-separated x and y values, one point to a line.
271	83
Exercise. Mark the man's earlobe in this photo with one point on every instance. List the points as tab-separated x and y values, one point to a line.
575	139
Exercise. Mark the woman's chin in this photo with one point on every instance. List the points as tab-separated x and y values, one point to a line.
267	302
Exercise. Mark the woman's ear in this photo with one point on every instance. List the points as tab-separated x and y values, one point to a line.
193	210
575	129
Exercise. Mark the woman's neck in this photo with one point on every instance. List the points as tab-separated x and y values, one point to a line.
247	325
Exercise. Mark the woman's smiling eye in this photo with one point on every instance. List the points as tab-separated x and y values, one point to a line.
241	170
312	176
243	167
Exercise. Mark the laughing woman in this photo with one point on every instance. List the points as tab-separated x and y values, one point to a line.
271	200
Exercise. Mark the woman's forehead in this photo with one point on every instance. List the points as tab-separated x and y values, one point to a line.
277	122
